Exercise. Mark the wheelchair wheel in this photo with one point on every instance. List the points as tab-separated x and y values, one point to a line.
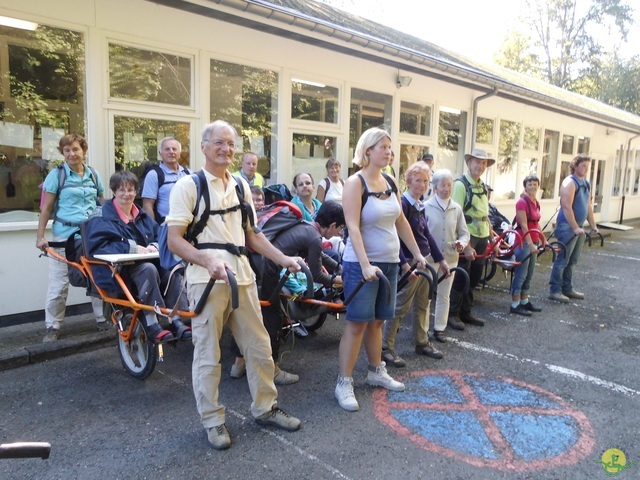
315	322
138	356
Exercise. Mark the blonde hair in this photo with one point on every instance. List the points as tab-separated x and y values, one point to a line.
415	169
367	140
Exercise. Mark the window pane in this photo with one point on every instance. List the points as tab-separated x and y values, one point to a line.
451	135
549	162
310	154
484	131
409	154
508	152
314	101
531	138
367	110
584	144
567	144
415	119
137	74
528	166
137	140
44	101
247	98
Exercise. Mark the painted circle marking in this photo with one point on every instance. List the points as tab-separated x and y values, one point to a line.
490	422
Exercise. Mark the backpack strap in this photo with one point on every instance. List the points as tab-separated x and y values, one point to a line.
327	185
62	179
366	193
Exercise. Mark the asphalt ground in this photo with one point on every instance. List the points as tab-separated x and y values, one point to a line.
545	397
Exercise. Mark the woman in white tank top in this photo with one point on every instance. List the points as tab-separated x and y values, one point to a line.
331	187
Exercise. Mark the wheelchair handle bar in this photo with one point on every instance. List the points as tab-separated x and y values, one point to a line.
207	290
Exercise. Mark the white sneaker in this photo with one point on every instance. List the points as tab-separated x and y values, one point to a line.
380	378
344	394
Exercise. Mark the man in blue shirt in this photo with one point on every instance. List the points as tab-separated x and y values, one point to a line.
155	196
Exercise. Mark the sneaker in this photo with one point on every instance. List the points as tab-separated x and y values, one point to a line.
380	378
344	394
284	378
104	326
529	307
280	419
574	294
238	370
520	310
558	297
390	358
219	437
455	323
429	351
51	335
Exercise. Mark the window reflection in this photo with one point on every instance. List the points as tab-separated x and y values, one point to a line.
314	101
484	131
508	153
567	144
367	110
549	162
310	154
247	98
43	100
415	119
451	135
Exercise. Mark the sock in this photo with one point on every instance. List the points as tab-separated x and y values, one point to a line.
524	301
514	304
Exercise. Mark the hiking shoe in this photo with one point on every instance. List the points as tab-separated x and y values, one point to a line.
51	335
471	320
455	323
238	370
284	378
439	336
380	378
520	310
280	419
344	394
429	351
390	358
219	437
558	297
529	307
574	294
104	326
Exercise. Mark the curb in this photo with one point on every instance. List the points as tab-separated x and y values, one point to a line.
41	352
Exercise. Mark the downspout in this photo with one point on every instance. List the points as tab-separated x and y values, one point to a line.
624	177
474	114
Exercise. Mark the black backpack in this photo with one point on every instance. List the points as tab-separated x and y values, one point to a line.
161	181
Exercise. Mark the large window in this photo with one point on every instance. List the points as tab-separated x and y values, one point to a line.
415	119
145	75
508	153
137	140
567	144
41	99
247	98
584	144
367	110
549	162
309	155
531	139
314	101
451	135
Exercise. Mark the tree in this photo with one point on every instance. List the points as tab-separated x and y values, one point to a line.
564	38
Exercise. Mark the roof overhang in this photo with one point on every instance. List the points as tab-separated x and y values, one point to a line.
288	23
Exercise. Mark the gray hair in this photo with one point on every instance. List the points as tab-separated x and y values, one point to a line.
166	139
440	175
207	132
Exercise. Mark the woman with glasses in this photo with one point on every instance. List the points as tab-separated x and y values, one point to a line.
119	227
304	189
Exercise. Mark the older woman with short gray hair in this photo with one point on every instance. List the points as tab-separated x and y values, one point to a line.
447	225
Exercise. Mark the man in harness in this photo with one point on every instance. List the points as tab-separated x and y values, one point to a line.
223	244
470	192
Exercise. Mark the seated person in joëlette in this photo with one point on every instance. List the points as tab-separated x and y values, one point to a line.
304	240
119	227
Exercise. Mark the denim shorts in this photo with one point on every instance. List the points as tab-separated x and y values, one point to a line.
372	302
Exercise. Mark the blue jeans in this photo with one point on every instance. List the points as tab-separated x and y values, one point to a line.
562	271
523	273
372	301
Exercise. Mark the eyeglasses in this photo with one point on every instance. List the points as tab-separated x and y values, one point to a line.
302	184
220	143
125	191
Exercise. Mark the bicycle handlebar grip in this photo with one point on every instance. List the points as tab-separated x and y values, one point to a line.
25	450
467	282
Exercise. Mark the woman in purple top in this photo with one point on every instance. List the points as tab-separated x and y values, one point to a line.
415	295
